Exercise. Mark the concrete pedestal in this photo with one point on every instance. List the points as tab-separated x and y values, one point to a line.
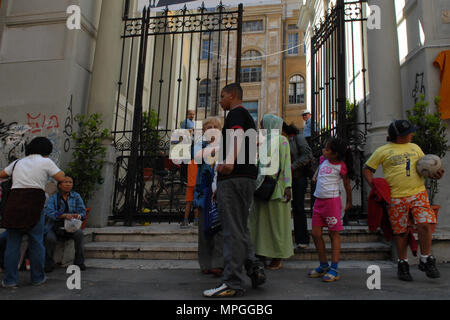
101	204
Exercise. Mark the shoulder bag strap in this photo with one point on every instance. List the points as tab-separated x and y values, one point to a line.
13	170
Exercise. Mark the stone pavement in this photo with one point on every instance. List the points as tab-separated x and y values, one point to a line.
129	282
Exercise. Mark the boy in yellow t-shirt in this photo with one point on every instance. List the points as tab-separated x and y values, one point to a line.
408	194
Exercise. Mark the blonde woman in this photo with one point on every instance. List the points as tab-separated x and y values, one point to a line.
210	243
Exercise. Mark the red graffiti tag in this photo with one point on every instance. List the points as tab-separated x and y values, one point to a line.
37	123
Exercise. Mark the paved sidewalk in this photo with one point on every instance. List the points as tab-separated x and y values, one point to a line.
288	283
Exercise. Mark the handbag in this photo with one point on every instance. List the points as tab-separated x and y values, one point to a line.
6	189
265	191
212	223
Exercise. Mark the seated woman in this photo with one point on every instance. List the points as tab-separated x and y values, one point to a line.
66	204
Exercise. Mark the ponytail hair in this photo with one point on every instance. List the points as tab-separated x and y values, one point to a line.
341	148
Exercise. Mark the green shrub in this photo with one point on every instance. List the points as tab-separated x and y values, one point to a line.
88	155
430	135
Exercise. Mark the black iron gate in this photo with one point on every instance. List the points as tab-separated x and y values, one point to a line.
338	84
172	62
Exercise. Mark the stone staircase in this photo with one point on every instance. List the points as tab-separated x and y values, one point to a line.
166	242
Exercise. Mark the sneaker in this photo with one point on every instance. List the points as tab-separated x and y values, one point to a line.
222	291
301	246
430	268
40	282
10	286
256	274
195	224
403	271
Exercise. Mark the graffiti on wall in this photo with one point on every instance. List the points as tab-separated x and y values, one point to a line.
15	135
41	122
68	127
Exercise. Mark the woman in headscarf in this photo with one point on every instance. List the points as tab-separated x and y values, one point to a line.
270	221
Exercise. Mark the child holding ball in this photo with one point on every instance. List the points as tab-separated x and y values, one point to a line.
408	194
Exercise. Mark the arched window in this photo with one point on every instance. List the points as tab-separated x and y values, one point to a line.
297	90
204	93
251	55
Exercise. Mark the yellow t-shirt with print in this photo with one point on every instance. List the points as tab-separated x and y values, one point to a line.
399	167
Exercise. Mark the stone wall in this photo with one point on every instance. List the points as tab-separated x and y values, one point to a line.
45	71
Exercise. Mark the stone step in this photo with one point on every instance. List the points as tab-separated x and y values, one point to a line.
188	251
141	264
173	233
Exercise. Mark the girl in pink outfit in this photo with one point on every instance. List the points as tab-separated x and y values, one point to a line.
334	167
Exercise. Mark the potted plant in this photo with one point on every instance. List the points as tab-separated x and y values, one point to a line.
88	155
430	137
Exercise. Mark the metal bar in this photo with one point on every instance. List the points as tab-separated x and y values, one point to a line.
119	87
170	72
228	57
353	65
207	71
219	44
130	204
239	45
341	68
180	79
364	70
128	83
199	61
161	80
189	78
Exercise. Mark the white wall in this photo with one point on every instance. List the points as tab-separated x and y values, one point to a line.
417	56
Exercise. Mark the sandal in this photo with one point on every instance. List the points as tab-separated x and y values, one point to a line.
329	277
275	264
318	272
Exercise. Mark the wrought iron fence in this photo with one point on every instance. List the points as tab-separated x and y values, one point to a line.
172	61
339	84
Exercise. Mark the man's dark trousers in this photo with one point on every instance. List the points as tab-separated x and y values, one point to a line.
298	207
234	197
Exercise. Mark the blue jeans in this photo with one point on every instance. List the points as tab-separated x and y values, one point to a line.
36	252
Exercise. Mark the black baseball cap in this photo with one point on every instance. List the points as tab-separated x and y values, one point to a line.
400	128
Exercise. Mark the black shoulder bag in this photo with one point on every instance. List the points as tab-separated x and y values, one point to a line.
265	191
6	188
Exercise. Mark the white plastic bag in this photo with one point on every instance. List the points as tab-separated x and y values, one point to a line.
72	225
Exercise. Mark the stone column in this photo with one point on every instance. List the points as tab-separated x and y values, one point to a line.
102	99
384	75
105	74
101	204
